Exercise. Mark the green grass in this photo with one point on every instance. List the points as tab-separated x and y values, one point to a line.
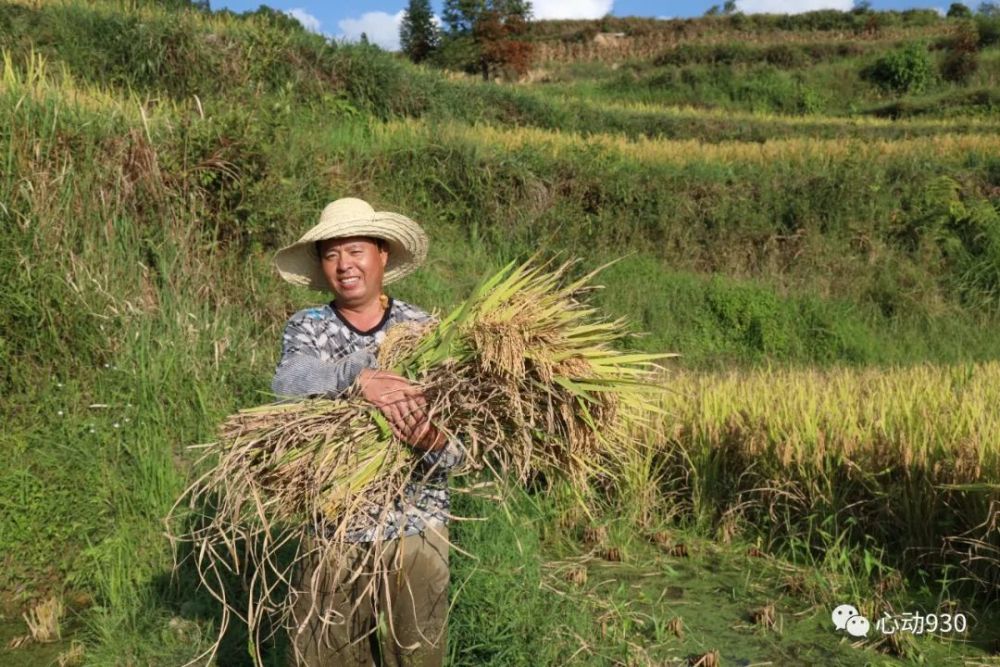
138	291
831	86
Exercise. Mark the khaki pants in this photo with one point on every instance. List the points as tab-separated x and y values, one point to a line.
411	630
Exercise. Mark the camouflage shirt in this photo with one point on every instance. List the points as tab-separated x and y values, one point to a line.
322	354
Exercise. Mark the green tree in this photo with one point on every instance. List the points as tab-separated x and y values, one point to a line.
729	7
487	36
989	9
418	36
499	34
959	11
459	16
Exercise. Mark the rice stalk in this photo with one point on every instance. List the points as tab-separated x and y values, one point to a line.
523	376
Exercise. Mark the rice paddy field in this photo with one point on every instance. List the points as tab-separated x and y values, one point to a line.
823	255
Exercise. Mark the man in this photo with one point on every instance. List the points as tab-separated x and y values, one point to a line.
354	251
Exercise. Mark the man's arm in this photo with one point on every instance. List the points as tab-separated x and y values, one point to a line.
304	372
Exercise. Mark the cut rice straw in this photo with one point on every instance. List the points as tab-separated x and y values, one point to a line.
523	378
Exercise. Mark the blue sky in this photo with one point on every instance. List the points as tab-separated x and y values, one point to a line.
379	19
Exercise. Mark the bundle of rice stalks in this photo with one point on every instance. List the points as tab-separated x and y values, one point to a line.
523	375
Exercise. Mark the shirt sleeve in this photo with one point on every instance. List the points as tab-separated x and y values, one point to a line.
303	372
446	458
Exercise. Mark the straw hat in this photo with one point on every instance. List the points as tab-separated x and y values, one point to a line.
299	263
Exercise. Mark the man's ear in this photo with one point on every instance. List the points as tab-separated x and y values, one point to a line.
383	253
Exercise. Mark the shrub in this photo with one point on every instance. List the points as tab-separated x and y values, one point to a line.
963	231
989	30
962	56
905	70
784	55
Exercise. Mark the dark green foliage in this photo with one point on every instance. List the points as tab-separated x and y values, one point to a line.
456	52
573	29
418	36
486	35
785	56
905	70
957	10
989	29
961	58
459	16
988	9
962	233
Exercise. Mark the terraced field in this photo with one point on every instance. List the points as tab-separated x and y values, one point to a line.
823	254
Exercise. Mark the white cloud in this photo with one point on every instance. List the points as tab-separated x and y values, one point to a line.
579	9
788	7
308	21
380	27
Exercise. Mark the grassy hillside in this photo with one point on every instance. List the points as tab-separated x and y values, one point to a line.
771	217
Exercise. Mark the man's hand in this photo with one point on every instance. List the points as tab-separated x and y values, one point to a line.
404	405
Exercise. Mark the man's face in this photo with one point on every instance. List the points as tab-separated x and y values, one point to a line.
353	267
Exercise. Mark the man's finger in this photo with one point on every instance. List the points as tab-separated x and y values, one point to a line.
395	416
411	410
421	430
415	391
395	430
394	394
417	410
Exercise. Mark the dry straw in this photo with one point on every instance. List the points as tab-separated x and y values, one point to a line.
43	620
524	375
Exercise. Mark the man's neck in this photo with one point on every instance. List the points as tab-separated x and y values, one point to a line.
363	316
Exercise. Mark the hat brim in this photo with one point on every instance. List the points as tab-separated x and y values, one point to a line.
299	263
